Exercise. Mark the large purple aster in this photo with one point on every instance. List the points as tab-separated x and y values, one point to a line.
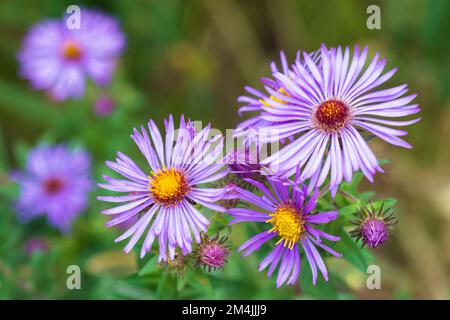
55	183
325	103
165	196
58	59
291	221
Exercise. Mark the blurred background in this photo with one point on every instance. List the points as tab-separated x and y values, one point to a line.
194	57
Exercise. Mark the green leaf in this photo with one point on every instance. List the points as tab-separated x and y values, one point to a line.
150	267
26	104
183	280
202	284
355	207
166	287
353	252
322	289
350	209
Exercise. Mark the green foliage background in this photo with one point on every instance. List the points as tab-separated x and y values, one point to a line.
194	57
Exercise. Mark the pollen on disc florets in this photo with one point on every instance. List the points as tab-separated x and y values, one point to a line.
331	115
53	185
168	186
288	223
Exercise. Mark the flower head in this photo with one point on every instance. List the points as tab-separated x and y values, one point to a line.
229	184
211	253
58	59
166	197
55	183
244	163
290	220
322	103
104	105
35	244
373	225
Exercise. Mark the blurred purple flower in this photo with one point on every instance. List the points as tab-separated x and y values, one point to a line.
290	214
35	244
244	163
58	59
167	196
321	102
55	183
104	105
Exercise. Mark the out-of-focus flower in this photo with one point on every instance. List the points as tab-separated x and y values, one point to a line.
290	213
59	60
230	197
211	254
373	225
244	163
104	105
168	196
35	244
55	182
322	103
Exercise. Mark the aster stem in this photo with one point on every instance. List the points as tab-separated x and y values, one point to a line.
323	191
349	196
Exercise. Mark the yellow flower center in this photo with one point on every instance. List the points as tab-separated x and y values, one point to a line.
71	51
273	98
168	186
288	223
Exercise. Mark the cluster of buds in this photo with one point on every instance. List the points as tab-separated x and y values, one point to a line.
210	254
178	264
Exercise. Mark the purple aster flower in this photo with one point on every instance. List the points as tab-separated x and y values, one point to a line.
165	197
373	225
230	198
55	183
212	253
244	163
325	104
104	105
34	245
289	213
58	59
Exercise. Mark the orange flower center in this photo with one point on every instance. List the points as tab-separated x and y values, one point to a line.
53	185
331	115
71	51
